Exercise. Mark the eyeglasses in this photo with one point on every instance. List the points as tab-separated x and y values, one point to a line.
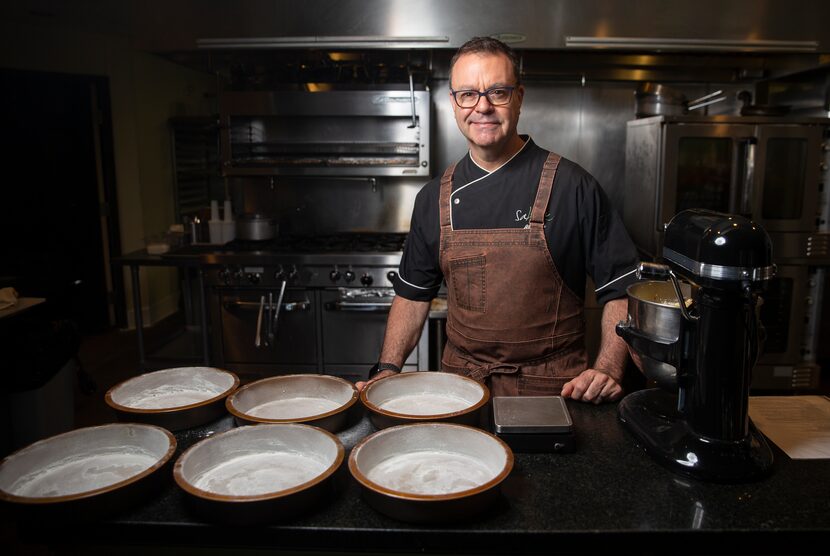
497	96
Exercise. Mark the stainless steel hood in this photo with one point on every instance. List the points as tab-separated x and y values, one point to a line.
649	25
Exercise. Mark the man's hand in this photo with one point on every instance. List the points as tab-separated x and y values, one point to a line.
364	383
592	386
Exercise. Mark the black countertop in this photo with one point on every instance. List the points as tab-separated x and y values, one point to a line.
607	495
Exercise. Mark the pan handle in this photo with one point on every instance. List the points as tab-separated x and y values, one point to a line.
287	306
360	306
257	339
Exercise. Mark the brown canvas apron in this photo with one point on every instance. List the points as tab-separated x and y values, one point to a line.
512	323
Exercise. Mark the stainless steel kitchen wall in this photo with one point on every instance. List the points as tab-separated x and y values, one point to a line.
585	123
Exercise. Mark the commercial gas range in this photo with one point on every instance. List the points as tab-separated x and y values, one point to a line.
313	304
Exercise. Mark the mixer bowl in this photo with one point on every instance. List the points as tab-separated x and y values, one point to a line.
654	311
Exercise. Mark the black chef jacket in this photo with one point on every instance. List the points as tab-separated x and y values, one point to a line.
585	235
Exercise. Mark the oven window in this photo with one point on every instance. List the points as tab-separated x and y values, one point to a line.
704	173
784	174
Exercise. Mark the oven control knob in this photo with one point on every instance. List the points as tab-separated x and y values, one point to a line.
279	274
391	275
334	275
225	275
293	272
366	279
238	276
349	276
253	277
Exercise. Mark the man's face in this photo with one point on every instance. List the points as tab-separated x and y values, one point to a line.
486	126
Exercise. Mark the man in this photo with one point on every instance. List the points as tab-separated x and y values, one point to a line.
514	230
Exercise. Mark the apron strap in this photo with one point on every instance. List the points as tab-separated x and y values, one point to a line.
482	372
540	204
444	197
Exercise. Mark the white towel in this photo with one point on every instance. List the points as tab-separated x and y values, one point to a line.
8	298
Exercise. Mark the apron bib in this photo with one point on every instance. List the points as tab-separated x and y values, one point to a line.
512	323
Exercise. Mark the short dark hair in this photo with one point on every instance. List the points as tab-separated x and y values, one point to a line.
487	45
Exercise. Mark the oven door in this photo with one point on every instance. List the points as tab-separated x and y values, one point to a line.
354	322
787	178
784	360
254	332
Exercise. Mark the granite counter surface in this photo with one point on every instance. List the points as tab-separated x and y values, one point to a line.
608	495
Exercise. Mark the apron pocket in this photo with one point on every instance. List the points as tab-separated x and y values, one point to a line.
468	284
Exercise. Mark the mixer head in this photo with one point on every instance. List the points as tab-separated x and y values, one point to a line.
717	250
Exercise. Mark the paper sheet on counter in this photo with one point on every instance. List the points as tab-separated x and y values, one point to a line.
799	425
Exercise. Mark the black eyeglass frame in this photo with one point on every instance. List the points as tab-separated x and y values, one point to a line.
484	93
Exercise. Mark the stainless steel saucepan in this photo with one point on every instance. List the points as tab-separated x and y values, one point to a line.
255	227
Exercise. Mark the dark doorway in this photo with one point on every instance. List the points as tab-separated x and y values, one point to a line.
59	225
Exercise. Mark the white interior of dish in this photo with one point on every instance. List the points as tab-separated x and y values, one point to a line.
293	397
434	458
256	460
172	388
426	393
82	460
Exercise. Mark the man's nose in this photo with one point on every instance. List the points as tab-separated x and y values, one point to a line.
483	104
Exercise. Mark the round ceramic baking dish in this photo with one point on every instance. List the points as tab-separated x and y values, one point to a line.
319	400
431	472
176	399
424	396
88	471
259	473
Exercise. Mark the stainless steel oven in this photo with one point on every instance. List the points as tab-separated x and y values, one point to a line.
329	133
771	169
256	329
329	318
353	325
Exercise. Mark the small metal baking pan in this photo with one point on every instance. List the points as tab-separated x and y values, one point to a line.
533	423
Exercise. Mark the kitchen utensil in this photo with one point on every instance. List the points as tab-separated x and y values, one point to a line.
424	396
255	227
88	471
656	99
654	310
703	430
177	398
259	473
431	472
320	400
533	423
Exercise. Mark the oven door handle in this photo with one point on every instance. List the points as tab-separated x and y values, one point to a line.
359	306
288	306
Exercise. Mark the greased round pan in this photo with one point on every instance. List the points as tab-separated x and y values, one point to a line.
424	396
319	400
92	470
431	472
259	473
176	399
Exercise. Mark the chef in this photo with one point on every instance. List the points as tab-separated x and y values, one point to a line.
514	230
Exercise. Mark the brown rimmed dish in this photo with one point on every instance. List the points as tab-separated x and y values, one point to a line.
416	397
319	400
255	474
89	471
176	399
431	472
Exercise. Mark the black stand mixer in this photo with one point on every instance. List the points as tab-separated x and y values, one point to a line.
696	335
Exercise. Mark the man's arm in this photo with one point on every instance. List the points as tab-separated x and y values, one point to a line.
403	330
602	382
